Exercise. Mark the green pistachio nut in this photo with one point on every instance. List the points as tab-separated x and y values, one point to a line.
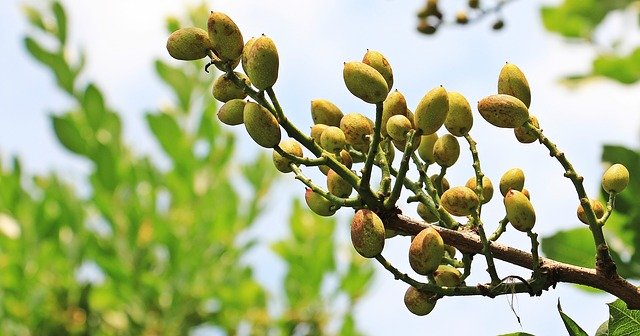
365	82
262	62
459	201
357	129
524	135
419	303
503	110
446	150
188	44
444	183
459	119
426	251
511	179
596	206
325	112
245	53
520	212
487	188
398	126
432	111
232	112
332	139
447	276
290	146
337	185
474	3
426	214
462	17
318	204
615	179
395	104
316	132
512	81
225	36
261	125
377	61
225	90
425	149
367	233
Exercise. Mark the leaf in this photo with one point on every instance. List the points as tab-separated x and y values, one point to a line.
38	52
55	61
69	134
106	167
93	104
572	327
178	81
624	69
34	17
628	200
578	18
573	246
356	280
623	321
171	138
61	21
603	329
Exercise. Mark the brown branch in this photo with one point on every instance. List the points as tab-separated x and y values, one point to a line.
553	271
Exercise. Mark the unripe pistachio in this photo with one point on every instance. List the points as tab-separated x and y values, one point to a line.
262	62
224	89
245	53
367	233
395	104
344	158
377	61
512	179
444	183
419	303
426	251
426	28
459	201
325	112
261	125
365	82
332	139
318	204
503	110
474	3
231	112
316	132
499	24
596	206
401	145
524	135
447	276
398	126
459	119
188	44
512	81
290	146
446	150
425	150
411	118
487	188
337	185
615	179
520	212
461	17
432	111
426	215
356	128
225	37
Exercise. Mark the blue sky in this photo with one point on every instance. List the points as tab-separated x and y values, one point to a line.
314	38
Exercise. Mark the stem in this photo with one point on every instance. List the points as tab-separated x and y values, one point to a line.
502	227
365	182
300	160
534	254
609	209
402	171
354	202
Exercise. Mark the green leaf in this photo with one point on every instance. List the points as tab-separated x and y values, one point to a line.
628	200
603	329
106	167
178	81
93	104
573	246
171	138
61	22
356	280
578	18
34	17
68	132
624	69
623	321
38	52
572	327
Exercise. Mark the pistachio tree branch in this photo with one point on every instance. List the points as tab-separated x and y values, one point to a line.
402	171
365	182
354	202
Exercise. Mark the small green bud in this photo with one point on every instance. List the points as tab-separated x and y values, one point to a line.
459	119
512	179
503	110
432	111
188	44
365	82
446	150
325	112
520	212
290	146
459	201
377	61
615	179
367	233
262	62
512	81
261	125
426	251
232	112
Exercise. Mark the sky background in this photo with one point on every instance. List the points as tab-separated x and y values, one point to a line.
314	38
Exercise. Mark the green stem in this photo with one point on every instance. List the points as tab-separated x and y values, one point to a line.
534	254
385	182
365	182
467	260
354	202
300	160
402	171
609	209
502	227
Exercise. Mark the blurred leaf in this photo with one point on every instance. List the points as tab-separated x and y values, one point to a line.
573	246
572	327
348	327
178	81
64	76
69	134
34	17
355	282
93	104
61	21
623	321
106	167
171	138
624	69
172	24
578	18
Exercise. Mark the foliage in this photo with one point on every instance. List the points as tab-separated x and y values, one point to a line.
146	249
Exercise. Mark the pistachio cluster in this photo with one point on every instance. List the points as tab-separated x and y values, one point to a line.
431	16
348	147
